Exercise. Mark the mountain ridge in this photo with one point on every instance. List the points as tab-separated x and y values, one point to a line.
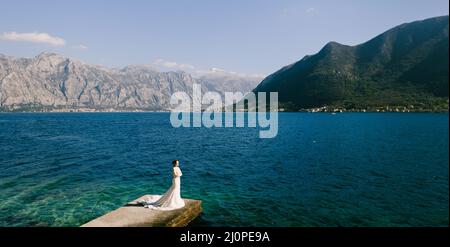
397	68
52	82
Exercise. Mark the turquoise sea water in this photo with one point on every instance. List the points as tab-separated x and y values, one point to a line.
349	169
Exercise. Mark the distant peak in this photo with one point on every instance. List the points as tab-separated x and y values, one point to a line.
48	54
333	44
146	67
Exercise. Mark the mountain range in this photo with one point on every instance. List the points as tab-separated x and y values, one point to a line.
51	82
404	68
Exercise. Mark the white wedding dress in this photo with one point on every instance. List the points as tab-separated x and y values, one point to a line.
171	199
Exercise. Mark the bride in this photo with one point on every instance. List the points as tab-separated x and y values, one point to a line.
172	198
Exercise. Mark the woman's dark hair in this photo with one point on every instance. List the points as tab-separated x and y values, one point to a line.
174	162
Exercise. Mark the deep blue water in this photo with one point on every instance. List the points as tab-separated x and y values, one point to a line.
350	169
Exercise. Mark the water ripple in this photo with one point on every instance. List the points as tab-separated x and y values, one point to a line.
321	170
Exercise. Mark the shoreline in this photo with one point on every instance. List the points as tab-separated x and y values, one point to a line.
88	112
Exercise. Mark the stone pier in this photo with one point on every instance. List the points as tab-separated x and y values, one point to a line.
135	215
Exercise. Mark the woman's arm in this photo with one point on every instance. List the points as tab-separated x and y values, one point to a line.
177	172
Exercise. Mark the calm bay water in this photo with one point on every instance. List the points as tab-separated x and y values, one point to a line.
350	169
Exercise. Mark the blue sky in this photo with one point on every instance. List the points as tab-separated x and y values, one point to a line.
251	37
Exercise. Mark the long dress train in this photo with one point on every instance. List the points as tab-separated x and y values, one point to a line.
171	199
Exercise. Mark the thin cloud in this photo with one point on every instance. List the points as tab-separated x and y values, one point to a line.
198	72
294	12
311	11
222	72
34	37
80	47
173	65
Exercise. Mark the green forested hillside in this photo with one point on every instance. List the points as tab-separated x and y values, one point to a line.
404	68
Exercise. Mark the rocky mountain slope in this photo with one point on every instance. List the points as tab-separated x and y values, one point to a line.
223	81
50	82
